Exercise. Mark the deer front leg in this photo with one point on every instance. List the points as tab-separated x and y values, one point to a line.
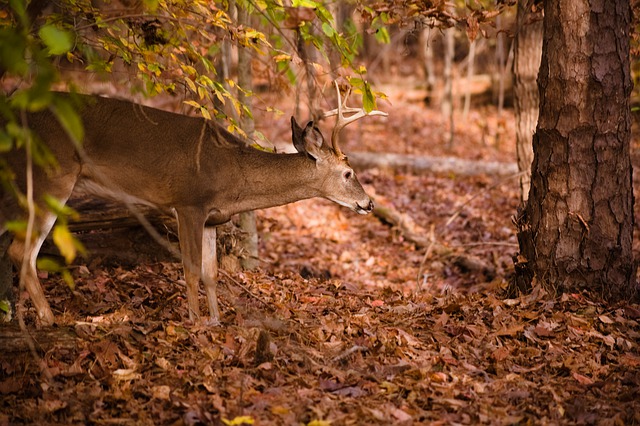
190	231
210	271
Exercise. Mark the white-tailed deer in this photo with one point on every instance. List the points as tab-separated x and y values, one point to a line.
175	163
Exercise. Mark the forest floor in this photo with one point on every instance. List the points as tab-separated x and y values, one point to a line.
337	327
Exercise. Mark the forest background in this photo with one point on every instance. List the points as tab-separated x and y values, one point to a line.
411	315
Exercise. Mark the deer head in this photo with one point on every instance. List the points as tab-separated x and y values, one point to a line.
339	183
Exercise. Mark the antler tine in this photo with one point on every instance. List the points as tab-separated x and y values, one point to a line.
343	121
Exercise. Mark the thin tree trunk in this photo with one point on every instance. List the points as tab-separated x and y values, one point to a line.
576	231
308	56
470	61
447	101
429	66
527	55
249	241
6	279
500	61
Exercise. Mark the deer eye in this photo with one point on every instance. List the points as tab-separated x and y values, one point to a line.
348	174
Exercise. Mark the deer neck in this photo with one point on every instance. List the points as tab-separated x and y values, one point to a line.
266	180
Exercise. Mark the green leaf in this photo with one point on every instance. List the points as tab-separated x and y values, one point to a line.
6	142
5	306
69	119
151	5
48	264
59	208
382	35
18	227
304	3
57	40
368	100
328	30
12	51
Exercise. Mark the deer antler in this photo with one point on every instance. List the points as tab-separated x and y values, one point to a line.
342	121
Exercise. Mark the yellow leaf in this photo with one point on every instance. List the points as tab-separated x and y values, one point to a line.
68	279
319	423
239	421
191	84
65	243
282	58
279	409
193	104
205	113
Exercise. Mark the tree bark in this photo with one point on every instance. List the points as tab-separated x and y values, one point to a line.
467	93
526	64
427	39
247	220
576	230
500	62
447	99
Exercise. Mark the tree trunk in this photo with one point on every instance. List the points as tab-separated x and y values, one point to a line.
427	40
500	61
6	279
576	230
447	99
247	222
526	63
471	57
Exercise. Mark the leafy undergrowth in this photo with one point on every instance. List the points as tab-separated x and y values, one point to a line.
345	323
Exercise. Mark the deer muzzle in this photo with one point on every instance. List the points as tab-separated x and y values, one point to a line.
366	209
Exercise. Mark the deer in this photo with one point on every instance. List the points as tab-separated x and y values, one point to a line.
185	165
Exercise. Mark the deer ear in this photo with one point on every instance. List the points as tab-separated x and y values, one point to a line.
308	140
313	140
296	135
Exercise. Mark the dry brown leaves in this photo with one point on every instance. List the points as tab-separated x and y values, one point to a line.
326	351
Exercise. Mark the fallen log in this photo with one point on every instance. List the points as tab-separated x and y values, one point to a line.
421	164
13	340
427	240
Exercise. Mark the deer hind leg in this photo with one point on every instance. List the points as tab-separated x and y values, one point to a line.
19	253
23	255
190	231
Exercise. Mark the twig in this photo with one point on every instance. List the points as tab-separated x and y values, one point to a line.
134	16
163	304
485	243
476	195
26	261
243	287
353	349
432	238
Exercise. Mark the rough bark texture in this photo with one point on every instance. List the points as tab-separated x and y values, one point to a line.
576	230
526	63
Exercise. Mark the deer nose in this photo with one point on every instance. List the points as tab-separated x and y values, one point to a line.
366	209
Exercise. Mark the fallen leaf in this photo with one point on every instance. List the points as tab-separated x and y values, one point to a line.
583	380
161	392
